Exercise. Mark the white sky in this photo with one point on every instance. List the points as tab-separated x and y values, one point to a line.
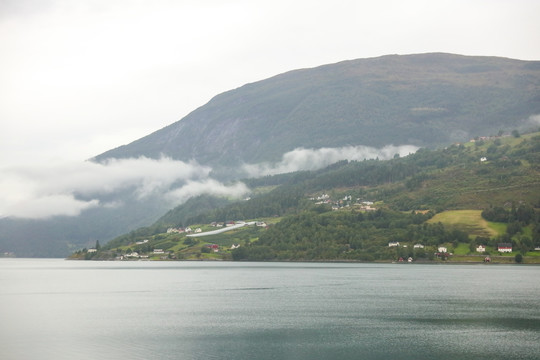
80	77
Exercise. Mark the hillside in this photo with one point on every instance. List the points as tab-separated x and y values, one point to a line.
427	100
352	210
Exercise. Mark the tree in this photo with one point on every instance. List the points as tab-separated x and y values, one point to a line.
513	228
515	133
98	246
519	258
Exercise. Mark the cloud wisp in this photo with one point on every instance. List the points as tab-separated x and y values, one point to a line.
44	191
67	190
314	159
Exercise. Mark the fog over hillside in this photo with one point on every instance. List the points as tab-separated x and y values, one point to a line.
70	189
303	119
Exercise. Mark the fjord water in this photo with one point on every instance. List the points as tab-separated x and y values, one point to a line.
56	309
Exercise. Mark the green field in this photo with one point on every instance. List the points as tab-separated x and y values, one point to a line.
469	221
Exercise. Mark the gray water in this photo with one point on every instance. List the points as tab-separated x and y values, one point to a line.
56	309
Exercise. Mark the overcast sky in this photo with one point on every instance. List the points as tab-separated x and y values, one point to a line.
80	77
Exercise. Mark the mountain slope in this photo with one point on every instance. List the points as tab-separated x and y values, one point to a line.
424	100
406	191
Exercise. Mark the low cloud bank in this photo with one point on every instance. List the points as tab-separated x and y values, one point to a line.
314	159
533	121
45	191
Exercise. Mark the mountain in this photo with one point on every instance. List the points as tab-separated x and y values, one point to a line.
485	192
427	100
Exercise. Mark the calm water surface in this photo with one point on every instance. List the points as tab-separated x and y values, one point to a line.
56	309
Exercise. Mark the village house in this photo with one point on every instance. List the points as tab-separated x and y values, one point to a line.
214	247
159	251
480	248
323	197
504	247
442	249
393	244
418	246
92	250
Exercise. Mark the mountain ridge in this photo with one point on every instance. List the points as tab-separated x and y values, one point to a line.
427	100
424	99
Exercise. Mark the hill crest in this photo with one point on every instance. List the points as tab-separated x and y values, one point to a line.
426	100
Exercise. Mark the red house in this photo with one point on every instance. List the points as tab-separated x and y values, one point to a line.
504	247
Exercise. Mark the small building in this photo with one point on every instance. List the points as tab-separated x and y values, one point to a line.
504	247
159	251
235	246
418	246
213	247
481	248
92	250
410	259
393	244
442	249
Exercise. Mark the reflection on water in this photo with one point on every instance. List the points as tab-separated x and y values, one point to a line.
55	309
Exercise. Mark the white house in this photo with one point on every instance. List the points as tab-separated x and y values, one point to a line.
480	248
92	250
442	249
504	248
418	246
159	251
393	244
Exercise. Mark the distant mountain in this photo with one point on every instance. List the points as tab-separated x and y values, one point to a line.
426	100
